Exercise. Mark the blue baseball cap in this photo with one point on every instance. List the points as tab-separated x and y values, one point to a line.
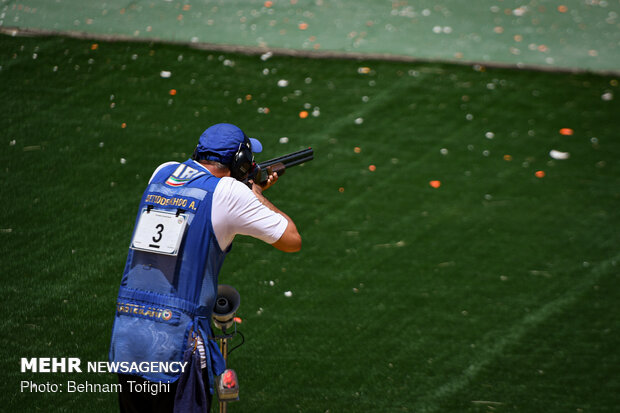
220	142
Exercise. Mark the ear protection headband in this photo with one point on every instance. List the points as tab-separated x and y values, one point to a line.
243	160
196	155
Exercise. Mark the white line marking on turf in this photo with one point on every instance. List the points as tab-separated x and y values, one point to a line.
430	403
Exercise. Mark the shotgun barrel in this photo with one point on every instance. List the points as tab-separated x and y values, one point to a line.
262	170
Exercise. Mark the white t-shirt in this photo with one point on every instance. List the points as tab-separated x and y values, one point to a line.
236	210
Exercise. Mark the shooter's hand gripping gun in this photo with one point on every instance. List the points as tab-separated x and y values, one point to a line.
261	171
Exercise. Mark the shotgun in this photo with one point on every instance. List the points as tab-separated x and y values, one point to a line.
261	171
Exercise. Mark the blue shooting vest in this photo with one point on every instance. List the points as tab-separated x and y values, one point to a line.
165	298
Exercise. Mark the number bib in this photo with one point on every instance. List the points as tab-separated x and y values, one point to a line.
160	232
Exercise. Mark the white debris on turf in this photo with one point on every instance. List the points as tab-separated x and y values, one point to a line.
288	293
165	74
555	154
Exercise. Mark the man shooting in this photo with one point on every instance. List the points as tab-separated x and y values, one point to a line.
188	217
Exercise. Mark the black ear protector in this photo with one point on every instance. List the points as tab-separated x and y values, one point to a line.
243	160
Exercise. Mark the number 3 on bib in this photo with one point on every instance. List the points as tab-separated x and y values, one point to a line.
160	232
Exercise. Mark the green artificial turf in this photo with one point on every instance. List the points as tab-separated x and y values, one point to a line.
543	33
495	291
